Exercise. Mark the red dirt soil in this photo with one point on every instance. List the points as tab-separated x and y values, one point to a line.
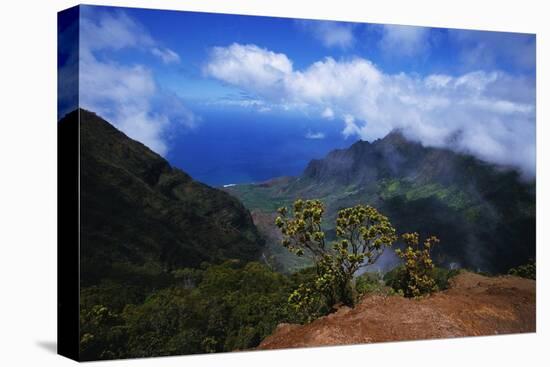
473	305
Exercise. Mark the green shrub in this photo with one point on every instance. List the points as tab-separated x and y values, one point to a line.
417	275
369	282
528	270
391	277
442	276
362	235
396	280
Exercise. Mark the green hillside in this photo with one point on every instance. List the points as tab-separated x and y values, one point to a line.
483	213
141	216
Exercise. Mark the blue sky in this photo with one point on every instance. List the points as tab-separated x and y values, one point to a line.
241	99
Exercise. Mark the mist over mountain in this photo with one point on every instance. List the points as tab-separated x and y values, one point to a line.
483	213
140	215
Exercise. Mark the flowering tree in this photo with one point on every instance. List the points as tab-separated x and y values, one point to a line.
416	278
362	235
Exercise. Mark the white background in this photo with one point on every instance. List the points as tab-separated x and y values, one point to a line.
28	182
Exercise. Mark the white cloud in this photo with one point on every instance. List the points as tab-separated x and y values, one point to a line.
112	31
315	135
327	81
331	34
127	95
404	40
328	113
489	114
249	65
166	55
122	95
116	31
351	128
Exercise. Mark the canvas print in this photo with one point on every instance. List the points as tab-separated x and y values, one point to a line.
241	183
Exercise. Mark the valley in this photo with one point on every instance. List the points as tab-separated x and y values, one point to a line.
484	214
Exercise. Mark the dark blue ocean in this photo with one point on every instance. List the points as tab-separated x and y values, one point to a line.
233	147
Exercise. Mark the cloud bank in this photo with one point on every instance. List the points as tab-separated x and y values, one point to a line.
127	95
490	114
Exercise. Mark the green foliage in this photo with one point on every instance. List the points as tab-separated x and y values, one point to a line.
394	278
189	277
163	325
102	333
219	308
391	278
303	234
371	282
452	195
307	303
417	275
528	270
112	294
362	235
442	277
262	200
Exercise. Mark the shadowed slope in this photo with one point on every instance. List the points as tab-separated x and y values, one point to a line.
139	212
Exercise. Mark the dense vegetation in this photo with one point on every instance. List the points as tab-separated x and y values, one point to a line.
216	308
213	308
528	270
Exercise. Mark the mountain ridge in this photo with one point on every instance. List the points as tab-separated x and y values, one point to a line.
484	213
141	214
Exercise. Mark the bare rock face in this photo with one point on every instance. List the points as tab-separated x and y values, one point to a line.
474	305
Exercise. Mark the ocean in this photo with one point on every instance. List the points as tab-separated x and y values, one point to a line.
233	147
